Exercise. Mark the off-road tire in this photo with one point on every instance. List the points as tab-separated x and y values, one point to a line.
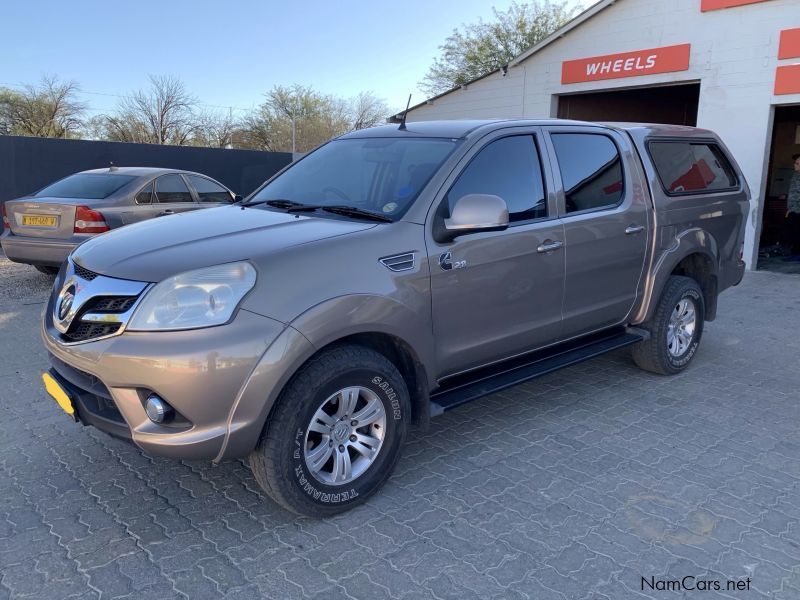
278	462
653	354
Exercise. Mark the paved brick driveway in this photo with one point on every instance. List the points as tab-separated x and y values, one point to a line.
574	486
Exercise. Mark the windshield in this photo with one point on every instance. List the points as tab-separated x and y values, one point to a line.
380	175
91	186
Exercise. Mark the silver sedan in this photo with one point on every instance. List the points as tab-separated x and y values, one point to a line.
43	228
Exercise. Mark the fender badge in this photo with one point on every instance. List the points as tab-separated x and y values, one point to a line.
446	262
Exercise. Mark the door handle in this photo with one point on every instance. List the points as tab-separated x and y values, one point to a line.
166	212
631	229
549	246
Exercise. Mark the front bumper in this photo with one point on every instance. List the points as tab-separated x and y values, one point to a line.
202	373
36	251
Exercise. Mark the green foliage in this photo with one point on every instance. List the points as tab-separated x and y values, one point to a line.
299	118
49	109
482	47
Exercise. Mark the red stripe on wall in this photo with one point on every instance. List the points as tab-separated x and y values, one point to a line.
790	43
787	80
717	4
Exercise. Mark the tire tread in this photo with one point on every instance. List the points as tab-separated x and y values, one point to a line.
265	459
650	355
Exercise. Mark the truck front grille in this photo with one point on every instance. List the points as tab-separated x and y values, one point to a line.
111	304
81	332
83	273
85	305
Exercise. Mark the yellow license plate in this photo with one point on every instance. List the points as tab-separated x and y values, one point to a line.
39	220
58	394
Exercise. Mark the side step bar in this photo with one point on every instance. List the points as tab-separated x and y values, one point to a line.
460	389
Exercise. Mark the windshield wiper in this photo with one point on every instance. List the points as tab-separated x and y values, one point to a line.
276	203
291	206
354	211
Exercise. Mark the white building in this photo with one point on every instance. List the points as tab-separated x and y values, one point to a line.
732	66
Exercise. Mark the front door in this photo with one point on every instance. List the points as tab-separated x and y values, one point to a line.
603	205
497	294
209	193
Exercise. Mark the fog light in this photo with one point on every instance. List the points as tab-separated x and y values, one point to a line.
157	409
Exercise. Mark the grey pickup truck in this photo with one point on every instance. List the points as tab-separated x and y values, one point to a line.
391	275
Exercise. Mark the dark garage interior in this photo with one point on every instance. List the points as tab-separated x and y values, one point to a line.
674	104
785	143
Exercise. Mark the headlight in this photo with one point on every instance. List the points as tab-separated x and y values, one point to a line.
194	299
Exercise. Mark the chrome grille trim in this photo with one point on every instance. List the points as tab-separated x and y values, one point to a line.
399	262
101	306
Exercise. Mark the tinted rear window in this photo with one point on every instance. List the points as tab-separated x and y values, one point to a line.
591	170
691	167
91	186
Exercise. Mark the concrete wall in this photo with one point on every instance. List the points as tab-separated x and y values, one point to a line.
733	55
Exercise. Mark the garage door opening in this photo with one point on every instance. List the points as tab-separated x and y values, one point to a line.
776	239
673	104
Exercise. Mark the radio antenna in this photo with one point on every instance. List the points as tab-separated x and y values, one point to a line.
405	112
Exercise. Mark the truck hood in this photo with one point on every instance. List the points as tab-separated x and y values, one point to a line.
159	248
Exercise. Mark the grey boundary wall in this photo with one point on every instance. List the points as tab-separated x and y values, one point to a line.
27	163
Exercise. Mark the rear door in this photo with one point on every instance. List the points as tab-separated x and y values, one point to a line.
144	205
603	205
171	195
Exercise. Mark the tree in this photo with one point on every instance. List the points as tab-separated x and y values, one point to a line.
50	109
162	114
299	118
482	47
215	129
366	110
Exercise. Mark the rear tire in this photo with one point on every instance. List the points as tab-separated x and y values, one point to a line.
46	270
335	434
675	328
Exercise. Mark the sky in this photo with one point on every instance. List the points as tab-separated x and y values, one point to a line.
228	54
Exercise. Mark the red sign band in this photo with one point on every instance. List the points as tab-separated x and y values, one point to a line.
717	4
627	64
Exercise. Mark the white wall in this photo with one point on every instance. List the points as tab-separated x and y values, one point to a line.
733	55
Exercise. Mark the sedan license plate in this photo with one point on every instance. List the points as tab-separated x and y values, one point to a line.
39	220
58	394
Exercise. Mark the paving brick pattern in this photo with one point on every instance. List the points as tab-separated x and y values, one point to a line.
574	486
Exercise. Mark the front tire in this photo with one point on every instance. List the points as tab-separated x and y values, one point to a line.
335	434
675	328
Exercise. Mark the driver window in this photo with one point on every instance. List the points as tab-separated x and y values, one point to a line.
509	168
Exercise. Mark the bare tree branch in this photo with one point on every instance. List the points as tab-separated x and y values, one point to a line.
165	113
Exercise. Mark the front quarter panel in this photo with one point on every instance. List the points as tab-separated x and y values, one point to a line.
294	281
326	291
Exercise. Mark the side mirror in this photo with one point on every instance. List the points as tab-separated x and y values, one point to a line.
477	212
238	197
